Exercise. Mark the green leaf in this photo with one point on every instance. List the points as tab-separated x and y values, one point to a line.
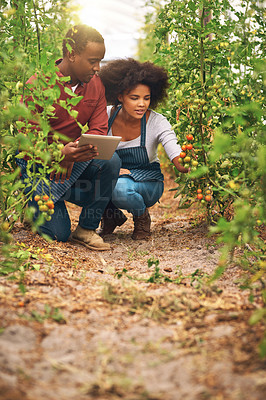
262	348
221	144
73	113
152	261
69	48
257	316
200	171
64	78
74	100
235	172
69	91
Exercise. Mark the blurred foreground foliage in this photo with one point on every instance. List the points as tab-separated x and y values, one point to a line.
30	42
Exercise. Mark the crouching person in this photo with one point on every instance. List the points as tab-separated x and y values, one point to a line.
84	181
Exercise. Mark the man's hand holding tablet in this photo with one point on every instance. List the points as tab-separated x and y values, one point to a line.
106	145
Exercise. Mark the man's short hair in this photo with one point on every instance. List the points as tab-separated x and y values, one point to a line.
78	37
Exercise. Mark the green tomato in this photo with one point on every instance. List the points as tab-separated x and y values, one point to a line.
43	208
5	226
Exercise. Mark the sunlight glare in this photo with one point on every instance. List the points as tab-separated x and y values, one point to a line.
117	20
93	13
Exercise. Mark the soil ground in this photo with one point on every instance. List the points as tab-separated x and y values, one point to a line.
138	322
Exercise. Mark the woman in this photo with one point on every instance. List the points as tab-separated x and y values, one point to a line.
132	88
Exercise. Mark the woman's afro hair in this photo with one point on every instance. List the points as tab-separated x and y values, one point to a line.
122	75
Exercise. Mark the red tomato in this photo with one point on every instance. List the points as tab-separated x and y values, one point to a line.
208	197
189	137
184	147
182	154
199	190
45	197
189	146
200	196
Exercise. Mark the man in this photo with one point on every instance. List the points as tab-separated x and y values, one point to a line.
83	181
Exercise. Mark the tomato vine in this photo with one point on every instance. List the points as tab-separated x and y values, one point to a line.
214	51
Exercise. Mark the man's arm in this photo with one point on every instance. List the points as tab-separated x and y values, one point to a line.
98	125
98	122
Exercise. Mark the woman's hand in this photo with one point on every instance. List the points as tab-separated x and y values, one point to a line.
72	153
180	167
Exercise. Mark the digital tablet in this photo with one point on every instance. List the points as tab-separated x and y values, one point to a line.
106	145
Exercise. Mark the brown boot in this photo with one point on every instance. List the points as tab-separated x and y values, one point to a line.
142	226
112	217
89	239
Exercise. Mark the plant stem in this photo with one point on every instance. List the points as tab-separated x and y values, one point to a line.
37	30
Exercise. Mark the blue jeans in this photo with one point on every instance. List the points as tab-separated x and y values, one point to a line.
92	191
135	197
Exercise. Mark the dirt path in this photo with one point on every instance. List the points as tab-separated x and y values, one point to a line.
135	323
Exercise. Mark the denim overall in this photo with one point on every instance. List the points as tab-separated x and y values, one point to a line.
144	186
136	158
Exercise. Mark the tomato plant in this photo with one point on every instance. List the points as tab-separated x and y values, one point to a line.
215	68
217	103
31	37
